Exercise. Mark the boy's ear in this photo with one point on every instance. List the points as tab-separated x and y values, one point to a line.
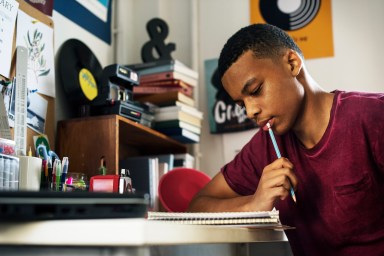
295	61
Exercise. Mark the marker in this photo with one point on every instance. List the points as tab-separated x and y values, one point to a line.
279	155
50	170
64	164
58	175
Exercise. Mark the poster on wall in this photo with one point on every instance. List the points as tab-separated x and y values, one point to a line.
94	16
224	114
8	13
37	37
308	22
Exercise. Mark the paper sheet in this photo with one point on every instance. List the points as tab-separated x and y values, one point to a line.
8	13
37	37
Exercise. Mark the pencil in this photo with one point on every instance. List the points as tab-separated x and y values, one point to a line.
278	156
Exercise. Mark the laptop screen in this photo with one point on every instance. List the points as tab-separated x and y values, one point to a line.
46	205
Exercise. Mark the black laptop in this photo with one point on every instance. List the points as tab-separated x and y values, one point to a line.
47	205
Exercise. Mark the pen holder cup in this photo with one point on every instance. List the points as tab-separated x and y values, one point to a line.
76	181
30	173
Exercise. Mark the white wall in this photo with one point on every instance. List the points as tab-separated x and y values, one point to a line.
132	18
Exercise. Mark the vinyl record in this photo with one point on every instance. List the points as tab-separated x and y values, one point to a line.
80	72
291	18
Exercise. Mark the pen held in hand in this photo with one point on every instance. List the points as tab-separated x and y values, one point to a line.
278	156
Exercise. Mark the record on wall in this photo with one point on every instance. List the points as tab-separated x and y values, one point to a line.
80	72
289	15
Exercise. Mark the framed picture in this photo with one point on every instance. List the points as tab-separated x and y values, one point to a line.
224	114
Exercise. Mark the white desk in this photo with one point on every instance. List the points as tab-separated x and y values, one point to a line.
121	237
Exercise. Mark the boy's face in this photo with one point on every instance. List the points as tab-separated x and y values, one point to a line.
267	89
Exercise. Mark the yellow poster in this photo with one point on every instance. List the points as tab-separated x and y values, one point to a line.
308	22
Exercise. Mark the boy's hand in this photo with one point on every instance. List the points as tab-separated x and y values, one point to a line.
275	183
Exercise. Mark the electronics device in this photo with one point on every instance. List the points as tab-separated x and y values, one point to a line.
48	205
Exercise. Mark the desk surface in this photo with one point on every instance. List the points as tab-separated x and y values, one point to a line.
127	232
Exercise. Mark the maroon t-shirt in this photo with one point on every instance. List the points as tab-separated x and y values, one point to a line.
340	195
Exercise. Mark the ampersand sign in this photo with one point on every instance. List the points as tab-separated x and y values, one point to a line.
158	31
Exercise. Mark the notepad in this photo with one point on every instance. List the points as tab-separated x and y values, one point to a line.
261	218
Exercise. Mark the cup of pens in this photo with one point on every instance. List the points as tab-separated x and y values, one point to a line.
59	173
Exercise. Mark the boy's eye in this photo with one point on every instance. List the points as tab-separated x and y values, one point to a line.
257	91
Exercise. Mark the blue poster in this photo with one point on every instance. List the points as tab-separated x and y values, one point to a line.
94	16
224	114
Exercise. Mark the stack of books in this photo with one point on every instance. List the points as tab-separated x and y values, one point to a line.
169	85
179	121
164	74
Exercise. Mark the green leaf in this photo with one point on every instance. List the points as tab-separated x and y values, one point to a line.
29	39
44	73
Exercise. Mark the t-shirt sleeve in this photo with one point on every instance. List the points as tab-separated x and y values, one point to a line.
244	171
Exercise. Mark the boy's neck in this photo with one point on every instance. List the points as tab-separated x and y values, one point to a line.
317	105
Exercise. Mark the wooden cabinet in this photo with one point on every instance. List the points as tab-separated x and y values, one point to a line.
86	140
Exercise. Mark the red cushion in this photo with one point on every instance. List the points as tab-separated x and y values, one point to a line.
178	186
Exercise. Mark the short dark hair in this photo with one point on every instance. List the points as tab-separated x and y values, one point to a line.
264	40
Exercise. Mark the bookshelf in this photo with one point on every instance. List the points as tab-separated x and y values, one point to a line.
86	140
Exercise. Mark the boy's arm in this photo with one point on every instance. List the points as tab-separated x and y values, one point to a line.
274	184
217	196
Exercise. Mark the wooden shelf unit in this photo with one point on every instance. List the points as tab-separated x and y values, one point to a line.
86	140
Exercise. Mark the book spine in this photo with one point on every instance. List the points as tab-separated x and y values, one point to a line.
167	76
152	64
166	83
179	115
187	109
175	128
184	139
185	136
166	98
160	89
170	68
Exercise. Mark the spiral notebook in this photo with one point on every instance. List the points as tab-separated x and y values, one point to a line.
259	218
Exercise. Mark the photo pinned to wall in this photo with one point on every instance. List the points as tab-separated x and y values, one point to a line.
224	114
37	108
37	37
6	93
93	16
36	112
11	103
309	23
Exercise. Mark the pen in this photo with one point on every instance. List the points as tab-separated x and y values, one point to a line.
54	175
43	184
64	164
58	175
278	156
50	170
